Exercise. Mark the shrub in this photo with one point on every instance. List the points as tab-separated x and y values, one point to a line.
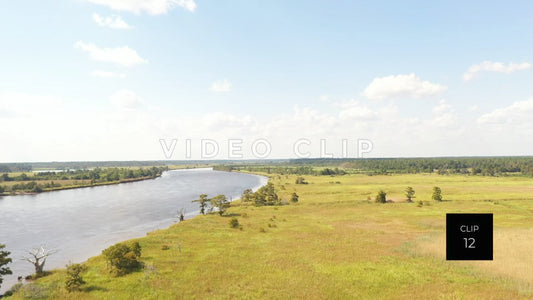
13	290
437	194
234	223
300	180
381	197
122	258
294	197
74	280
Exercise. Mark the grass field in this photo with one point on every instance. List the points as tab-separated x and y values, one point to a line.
332	244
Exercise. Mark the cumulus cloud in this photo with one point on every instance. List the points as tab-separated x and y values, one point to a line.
443	115
516	113
152	7
107	74
221	86
355	111
114	22
403	85
489	66
124	56
125	99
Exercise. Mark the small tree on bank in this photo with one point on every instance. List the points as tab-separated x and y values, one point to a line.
247	195
38	258
437	194
4	261
410	194
74	281
123	258
220	202
381	197
203	200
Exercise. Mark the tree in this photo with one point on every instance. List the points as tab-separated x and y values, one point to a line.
4	260
38	258
381	197
123	258
203	200
410	194
294	197
437	194
247	195
220	202
74	280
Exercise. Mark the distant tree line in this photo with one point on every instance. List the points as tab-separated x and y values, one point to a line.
486	166
35	181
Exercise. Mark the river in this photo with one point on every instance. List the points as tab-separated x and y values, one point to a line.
80	223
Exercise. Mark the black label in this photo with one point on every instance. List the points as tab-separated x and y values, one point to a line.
469	236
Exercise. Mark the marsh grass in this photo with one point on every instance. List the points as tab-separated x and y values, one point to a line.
332	244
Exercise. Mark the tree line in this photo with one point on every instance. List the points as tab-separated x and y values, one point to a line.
486	166
35	182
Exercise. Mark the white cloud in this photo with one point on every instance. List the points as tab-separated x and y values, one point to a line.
114	22
354	110
489	66
107	74
124	56
221	86
153	7
125	99
443	115
27	105
409	86
519	112
222	121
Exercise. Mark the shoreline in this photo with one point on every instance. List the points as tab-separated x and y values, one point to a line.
61	188
164	224
80	186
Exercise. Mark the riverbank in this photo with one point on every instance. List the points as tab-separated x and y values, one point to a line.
82	222
61	188
332	244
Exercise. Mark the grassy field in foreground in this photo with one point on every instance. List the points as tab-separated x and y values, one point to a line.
332	244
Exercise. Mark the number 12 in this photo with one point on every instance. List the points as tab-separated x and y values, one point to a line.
471	240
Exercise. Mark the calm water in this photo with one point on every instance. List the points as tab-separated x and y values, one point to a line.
80	223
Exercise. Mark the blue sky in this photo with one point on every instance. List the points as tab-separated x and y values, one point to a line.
108	79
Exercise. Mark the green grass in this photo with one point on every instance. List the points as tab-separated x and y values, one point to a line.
332	244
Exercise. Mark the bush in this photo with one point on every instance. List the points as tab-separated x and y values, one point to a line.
234	223
294	197
13	290
74	280
300	180
437	194
381	197
122	258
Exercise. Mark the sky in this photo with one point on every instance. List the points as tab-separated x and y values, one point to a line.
86	80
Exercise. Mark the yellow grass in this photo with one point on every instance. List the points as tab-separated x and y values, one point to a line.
332	245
